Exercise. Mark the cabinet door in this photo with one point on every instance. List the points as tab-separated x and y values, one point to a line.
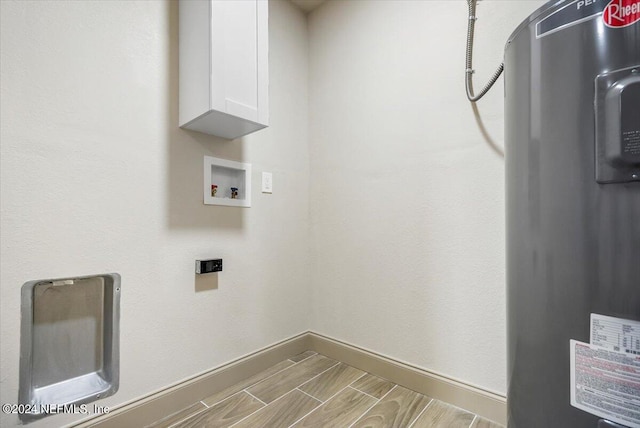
234	57
224	66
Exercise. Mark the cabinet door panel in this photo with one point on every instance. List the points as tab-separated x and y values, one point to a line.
235	58
224	66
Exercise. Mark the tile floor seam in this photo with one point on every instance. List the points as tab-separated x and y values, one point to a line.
188	417
356	389
224	399
304	359
249	415
322	404
431	400
306	414
257	410
286	368
305	382
262	380
278	372
208	407
319	401
261	408
361	376
473	420
337	362
372	406
342	389
201	407
245	390
331	398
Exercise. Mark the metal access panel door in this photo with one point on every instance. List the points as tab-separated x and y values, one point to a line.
572	144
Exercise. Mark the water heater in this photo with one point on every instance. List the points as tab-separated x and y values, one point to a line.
572	145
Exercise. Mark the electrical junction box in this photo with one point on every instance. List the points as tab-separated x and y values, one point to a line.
208	266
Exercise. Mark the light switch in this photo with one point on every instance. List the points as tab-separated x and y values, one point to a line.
267	182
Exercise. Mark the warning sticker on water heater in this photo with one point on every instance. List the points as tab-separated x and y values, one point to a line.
616	334
606	383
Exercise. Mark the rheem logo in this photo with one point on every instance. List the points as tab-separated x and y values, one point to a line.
621	13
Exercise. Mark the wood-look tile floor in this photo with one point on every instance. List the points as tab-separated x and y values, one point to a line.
311	390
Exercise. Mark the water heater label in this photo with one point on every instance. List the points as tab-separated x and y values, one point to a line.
616	334
631	143
605	383
573	13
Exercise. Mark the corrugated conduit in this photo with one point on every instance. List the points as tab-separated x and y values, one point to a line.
469	64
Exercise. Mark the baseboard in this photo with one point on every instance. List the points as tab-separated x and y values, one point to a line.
155	406
163	403
476	400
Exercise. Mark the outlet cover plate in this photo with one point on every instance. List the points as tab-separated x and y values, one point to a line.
267	182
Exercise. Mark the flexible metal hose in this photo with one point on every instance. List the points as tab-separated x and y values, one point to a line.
469	64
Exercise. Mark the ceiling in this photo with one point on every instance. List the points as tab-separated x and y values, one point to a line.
307	5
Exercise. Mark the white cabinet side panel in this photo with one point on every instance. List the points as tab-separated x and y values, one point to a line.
235	58
263	61
218	54
195	59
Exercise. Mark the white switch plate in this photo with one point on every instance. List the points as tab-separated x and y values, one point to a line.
267	182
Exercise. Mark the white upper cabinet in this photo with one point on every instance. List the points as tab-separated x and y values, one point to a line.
224	66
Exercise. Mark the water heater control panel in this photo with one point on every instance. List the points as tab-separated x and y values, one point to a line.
617	107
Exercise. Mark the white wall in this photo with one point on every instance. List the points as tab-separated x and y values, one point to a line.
96	177
386	223
407	195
